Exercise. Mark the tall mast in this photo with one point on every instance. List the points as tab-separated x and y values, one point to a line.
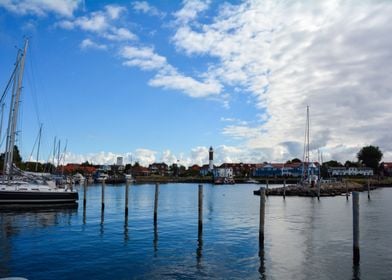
13	117
54	152
39	143
58	154
1	121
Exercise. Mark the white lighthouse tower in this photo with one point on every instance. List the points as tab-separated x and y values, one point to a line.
211	159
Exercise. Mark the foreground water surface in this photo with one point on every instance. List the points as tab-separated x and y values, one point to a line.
304	238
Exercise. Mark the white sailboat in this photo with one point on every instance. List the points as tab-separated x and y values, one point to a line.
17	186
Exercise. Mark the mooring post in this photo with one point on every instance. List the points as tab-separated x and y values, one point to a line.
318	189
200	208
126	197
368	187
103	195
262	215
284	189
156	203
266	187
84	193
346	190
355	227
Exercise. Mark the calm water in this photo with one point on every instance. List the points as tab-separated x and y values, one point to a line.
304	238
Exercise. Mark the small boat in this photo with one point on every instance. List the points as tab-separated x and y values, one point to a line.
78	179
224	181
16	186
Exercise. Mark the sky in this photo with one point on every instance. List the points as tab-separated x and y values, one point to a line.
164	80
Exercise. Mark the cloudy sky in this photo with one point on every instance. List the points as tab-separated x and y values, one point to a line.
164	80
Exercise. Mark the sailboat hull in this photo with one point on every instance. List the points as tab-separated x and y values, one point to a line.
30	197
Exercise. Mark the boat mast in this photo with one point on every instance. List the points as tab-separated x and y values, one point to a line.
13	117
1	121
39	143
306	156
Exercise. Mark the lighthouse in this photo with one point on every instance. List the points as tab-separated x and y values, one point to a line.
211	159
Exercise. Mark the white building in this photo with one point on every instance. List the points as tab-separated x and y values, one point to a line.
223	172
120	161
351	171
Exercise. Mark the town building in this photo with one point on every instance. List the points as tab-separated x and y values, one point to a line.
350	171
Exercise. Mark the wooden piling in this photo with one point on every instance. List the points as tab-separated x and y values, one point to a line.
262	216
266	187
84	193
368	188
356	255
284	189
346	190
318	189
126	197
200	208
103	195
156	203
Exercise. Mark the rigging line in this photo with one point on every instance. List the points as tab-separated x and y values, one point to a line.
33	86
9	81
35	143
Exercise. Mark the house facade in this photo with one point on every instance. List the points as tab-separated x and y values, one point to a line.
350	171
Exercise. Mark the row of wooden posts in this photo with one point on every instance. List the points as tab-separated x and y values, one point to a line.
200	212
355	205
355	195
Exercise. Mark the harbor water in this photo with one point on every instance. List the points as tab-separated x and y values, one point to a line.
304	238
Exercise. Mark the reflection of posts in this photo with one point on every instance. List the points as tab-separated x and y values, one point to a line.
356	256
284	189
200	227
126	229
199	250
155	240
262	266
156	203
368	188
103	196
84	193
262	215
126	198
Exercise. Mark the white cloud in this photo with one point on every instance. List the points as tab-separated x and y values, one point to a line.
89	44
146	8
41	7
193	88
103	23
114	11
143	57
119	34
190	10
327	54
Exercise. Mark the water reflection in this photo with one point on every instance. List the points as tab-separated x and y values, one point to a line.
155	240
101	228
356	272
262	262
14	220
199	250
126	237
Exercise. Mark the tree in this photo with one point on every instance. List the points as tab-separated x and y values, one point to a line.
370	156
294	160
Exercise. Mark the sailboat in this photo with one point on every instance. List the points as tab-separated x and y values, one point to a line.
17	186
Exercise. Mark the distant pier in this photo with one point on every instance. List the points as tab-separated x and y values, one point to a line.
326	189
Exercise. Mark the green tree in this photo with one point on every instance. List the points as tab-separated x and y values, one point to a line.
370	156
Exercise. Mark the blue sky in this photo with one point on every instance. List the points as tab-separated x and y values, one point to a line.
164	80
